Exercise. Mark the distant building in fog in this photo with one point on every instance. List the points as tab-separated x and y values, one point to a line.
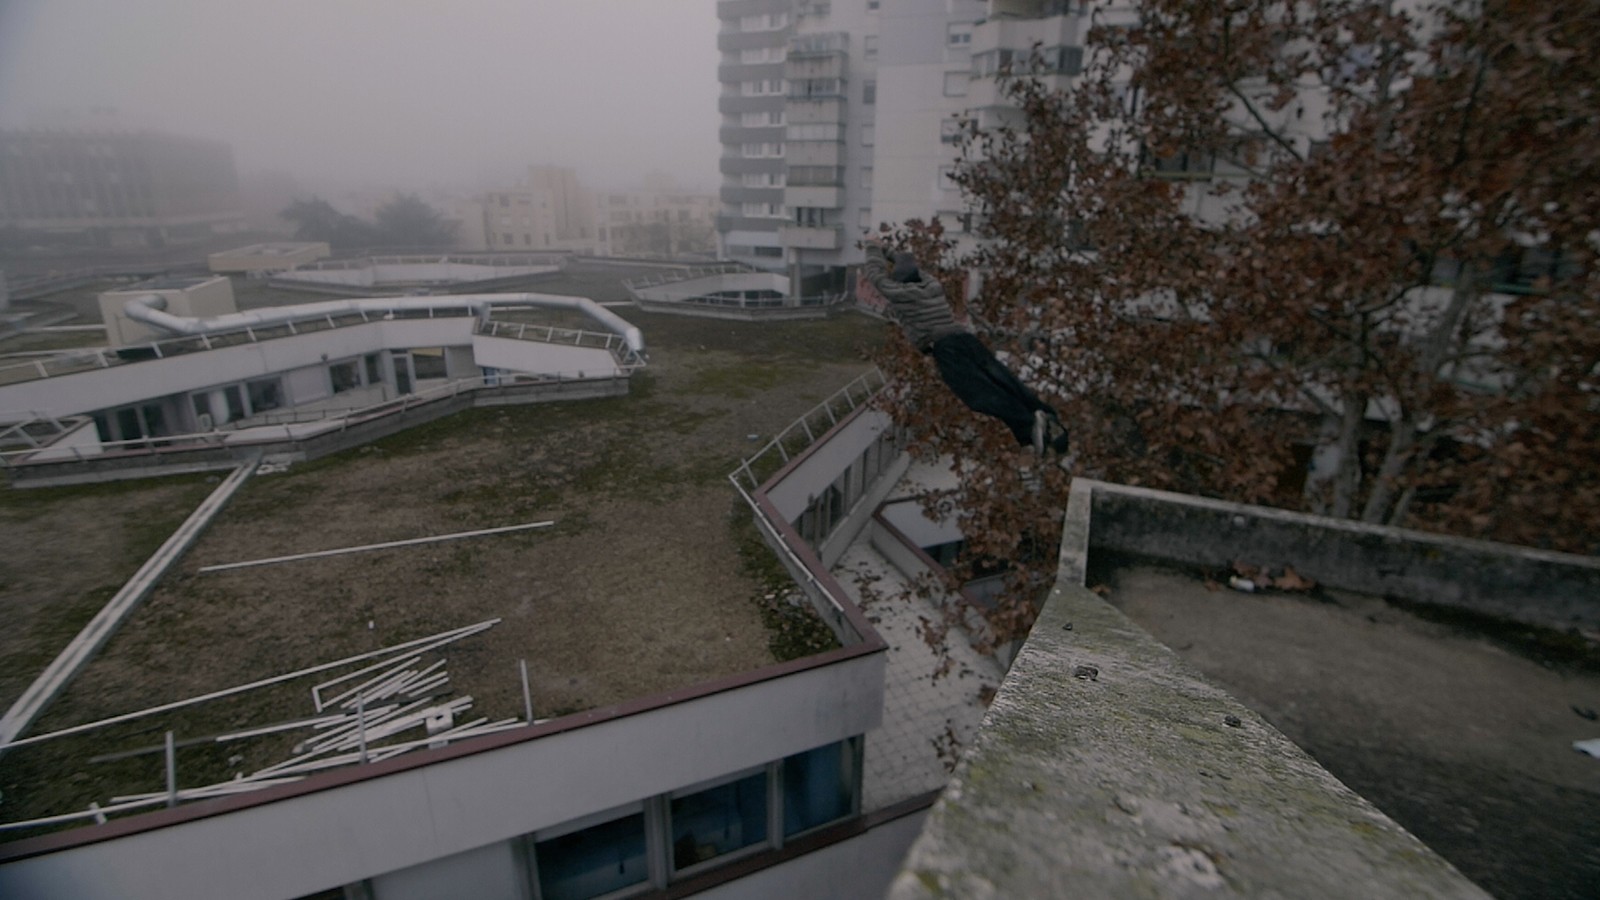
117	188
553	210
658	219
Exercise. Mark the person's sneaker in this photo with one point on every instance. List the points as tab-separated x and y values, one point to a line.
1041	426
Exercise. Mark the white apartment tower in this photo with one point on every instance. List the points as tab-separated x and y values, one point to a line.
809	162
753	41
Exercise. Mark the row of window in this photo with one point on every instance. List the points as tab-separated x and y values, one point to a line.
762	87
650	843
762	150
763	210
829	508
764	119
764	22
1059	60
657	840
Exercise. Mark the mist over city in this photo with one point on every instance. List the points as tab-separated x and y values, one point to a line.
405	94
791	449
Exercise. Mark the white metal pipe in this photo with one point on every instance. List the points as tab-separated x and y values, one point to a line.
365	547
265	682
151	310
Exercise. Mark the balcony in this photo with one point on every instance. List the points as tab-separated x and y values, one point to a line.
814	153
820	197
734	104
827	237
833	43
814	111
728	73
728	41
1019	35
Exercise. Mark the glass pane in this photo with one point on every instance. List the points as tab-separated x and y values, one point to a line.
720	820
429	363
816	787
594	861
264	395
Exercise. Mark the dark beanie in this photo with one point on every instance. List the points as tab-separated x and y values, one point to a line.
905	268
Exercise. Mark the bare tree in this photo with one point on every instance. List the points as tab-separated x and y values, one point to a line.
1334	254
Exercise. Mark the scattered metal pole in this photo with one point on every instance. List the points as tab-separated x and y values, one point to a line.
527	695
361	726
172	772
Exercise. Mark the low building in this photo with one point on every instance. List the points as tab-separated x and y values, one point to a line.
117	188
183	364
257	259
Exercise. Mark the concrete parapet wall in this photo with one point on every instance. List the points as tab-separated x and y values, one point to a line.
1132	782
1554	590
1107	767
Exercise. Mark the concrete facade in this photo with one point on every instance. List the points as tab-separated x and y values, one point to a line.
117	187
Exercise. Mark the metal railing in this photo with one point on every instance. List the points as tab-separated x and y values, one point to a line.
251	432
688	274
625	355
788	442
73	361
810	426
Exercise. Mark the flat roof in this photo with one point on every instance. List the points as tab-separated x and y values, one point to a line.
637	590
1435	723
275	248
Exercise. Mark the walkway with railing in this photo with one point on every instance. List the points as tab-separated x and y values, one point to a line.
757	468
72	361
290	427
686	274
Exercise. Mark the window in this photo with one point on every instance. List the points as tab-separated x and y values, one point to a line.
947	181
818	787
374	370
869	47
869	135
822	131
866	176
428	362
507	240
864	219
344	377
872	5
958	35
264	394
869	93
955	83
593	861
950	131
717	821
767	22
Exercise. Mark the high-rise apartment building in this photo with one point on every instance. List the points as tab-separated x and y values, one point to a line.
117	188
836	116
754	43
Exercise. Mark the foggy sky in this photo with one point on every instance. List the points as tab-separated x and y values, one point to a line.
405	92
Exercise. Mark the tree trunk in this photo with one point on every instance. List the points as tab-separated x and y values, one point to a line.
1402	439
1347	479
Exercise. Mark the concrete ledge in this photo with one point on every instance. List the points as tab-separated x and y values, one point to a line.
1537	587
1131	782
1106	767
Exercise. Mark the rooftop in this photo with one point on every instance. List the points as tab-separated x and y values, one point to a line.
638	588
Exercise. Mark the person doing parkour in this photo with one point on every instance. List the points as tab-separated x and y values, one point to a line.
966	365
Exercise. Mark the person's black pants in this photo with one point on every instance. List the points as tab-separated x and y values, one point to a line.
985	385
